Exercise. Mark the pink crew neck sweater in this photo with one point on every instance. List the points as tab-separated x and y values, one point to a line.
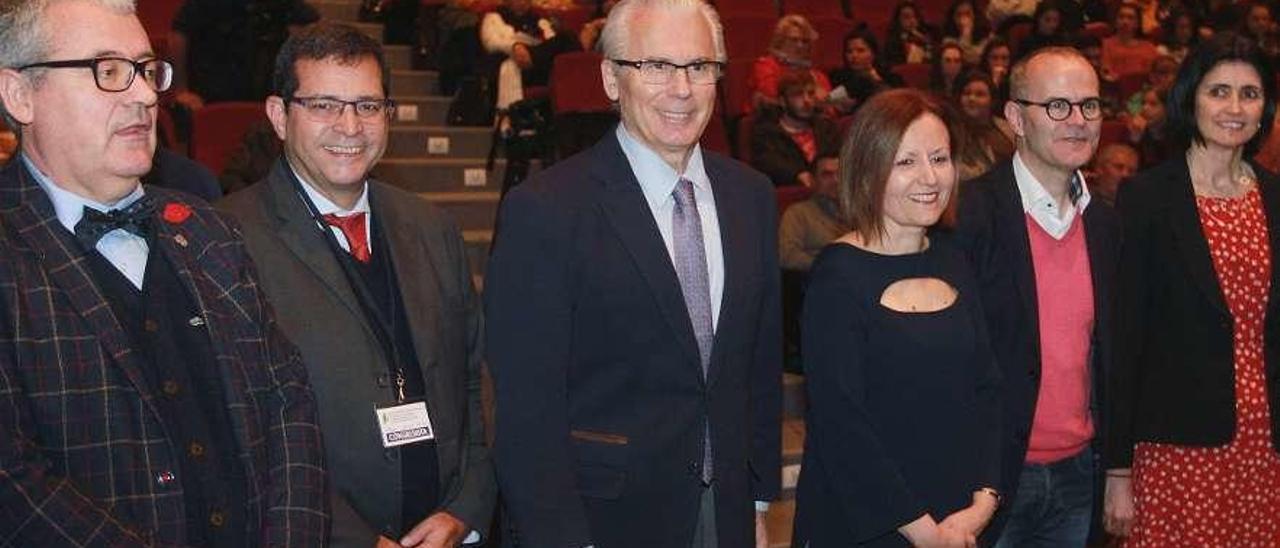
1063	425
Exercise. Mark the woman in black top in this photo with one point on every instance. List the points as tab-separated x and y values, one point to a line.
903	424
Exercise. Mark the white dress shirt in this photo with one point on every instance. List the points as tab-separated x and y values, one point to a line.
1055	219
123	249
658	181
326	207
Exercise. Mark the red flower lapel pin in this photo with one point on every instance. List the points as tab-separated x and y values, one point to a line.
176	213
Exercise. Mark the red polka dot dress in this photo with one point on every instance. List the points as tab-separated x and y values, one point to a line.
1221	496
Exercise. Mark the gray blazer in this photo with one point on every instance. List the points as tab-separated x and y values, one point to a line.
318	310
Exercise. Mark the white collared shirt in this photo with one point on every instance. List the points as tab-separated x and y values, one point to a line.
123	249
326	206
1043	208
658	181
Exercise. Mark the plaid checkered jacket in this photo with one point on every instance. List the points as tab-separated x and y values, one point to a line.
84	459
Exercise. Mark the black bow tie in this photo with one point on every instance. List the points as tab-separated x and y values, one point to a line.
95	224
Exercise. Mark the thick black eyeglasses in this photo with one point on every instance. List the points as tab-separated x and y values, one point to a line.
116	74
329	109
1060	109
661	72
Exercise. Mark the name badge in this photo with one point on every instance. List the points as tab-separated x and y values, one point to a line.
404	424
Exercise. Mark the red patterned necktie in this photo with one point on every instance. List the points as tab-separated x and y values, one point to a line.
352	227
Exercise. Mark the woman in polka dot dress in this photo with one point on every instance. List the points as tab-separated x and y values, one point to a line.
1192	455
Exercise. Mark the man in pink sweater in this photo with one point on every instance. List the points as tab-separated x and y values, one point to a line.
1045	255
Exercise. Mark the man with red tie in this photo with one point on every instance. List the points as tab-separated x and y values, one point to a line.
372	284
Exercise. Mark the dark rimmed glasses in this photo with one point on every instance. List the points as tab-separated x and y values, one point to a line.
1060	109
661	72
329	109
116	74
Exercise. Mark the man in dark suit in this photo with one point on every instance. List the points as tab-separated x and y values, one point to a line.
372	283
1045	255
148	396
633	315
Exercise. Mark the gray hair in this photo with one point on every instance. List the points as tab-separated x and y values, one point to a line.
613	39
24	40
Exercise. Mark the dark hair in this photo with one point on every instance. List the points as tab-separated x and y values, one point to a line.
937	82
970	76
794	79
1223	47
992	44
343	43
1169	28
1137	12
869	150
869	38
981	27
895	27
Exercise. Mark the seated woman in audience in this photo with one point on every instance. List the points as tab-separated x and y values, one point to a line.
1194	399
968	30
790	48
861	76
1259	24
1054	26
1147	128
910	39
903	426
989	138
1126	51
996	59
946	69
1161	74
1179	34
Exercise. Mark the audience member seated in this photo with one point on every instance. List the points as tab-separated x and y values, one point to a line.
1162	72
786	139
966	29
996	59
987	138
910	39
1126	51
1086	11
790	48
251	161
225	50
524	46
810	225
862	75
590	33
1180	33
1147	127
1052	27
1113	163
177	172
946	69
1259	25
1108	85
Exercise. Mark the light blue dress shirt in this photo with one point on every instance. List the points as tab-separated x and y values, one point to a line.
123	249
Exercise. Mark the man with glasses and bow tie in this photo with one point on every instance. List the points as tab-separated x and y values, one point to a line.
1045	253
147	396
372	284
633	315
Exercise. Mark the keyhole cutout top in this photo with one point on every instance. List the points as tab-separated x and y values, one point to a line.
919	296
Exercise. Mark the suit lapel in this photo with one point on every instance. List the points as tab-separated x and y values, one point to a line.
624	207
1011	223
26	208
1184	222
412	262
734	243
305	240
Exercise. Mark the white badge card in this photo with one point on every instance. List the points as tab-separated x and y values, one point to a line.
404	424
